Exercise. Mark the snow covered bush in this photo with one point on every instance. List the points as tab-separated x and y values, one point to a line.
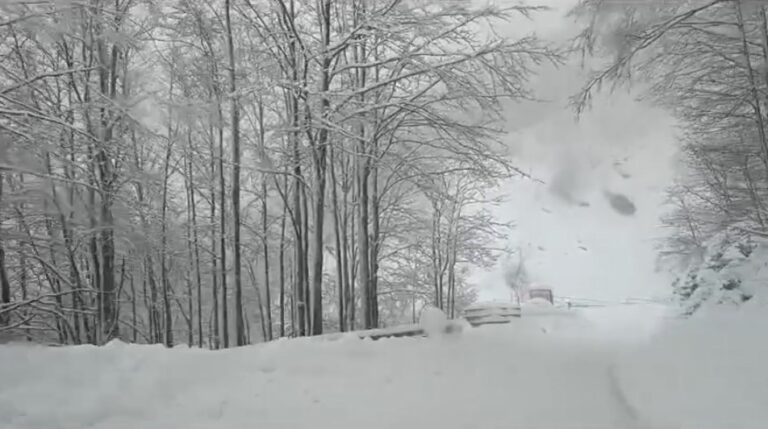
733	270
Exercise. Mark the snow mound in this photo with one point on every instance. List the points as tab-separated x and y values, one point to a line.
434	321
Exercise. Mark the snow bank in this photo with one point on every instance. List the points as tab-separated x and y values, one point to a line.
701	374
483	378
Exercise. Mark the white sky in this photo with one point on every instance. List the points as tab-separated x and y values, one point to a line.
620	257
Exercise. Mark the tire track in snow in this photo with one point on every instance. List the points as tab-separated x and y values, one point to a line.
629	417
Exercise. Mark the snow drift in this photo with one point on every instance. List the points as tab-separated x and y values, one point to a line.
696	375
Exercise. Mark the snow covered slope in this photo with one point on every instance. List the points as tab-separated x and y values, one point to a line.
507	376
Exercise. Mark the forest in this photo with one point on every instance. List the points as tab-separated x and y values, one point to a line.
219	173
229	172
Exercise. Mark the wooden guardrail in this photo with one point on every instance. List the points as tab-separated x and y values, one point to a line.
491	314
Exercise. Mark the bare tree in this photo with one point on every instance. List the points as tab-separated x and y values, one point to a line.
377	118
704	62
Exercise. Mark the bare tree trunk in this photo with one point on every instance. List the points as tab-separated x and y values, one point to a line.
108	87
350	248
23	281
363	203
282	263
168	319
363	250
134	314
436	256
5	285
375	236
190	252
215	340
337	236
320	149
74	271
300	255
222	236
75	280
239	320
168	315
292	298
149	273
265	248
259	302
157	332
305	261
265	219
292	107
214	93
93	247
316	294
108	300
452	278
196	246
300	258
347	253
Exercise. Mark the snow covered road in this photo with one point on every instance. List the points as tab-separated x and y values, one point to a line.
494	377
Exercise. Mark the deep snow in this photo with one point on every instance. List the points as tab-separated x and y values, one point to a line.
702	374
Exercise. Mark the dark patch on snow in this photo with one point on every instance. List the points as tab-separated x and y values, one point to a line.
746	249
731	284
718	262
621	203
688	287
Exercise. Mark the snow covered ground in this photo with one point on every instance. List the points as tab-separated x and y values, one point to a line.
707	373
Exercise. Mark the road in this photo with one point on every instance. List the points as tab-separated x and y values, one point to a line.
544	373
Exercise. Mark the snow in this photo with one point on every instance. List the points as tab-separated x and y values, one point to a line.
540	302
702	373
433	321
733	270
